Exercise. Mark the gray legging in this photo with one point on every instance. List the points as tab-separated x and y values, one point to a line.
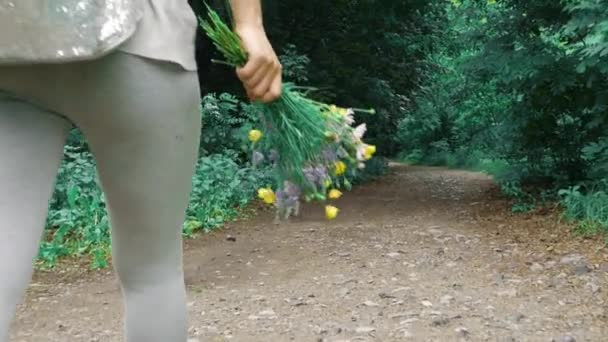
141	119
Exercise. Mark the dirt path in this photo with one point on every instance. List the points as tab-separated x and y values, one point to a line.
424	254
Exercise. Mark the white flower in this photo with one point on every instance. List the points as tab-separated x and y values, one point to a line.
360	131
361	152
349	117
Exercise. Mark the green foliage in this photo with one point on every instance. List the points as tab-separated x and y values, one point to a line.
295	66
222	188
77	222
374	168
589	207
523	83
225	123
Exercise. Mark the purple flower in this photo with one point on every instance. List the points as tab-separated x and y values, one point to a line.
281	198
330	155
321	174
292	190
309	173
288	196
316	176
257	158
273	156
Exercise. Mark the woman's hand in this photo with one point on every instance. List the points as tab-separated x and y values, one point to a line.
261	76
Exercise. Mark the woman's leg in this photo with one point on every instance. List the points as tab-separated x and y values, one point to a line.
31	145
143	130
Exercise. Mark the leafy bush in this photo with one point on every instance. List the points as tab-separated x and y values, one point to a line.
221	189
374	168
295	66
225	121
589	207
77	221
518	88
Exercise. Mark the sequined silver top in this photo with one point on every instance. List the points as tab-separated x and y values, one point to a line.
40	31
166	32
35	31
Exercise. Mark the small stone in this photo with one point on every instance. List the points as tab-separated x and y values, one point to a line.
320	330
267	313
462	331
580	269
406	334
593	287
499	279
566	338
399	289
571	259
517	317
427	303
402	314
508	293
446	300
536	267
343	292
440	321
393	255
408	321
370	303
344	255
258	298
231	238
435	232
384	295
365	330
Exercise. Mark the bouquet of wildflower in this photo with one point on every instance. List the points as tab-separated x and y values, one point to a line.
312	144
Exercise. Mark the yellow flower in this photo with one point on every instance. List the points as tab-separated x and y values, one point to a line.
255	135
338	110
370	150
334	194
267	195
331	212
340	168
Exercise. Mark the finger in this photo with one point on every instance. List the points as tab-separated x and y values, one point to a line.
248	71
275	89
249	95
264	85
259	76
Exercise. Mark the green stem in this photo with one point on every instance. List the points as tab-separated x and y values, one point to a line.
223	63
368	111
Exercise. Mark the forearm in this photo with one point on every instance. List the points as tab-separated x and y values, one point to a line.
247	13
